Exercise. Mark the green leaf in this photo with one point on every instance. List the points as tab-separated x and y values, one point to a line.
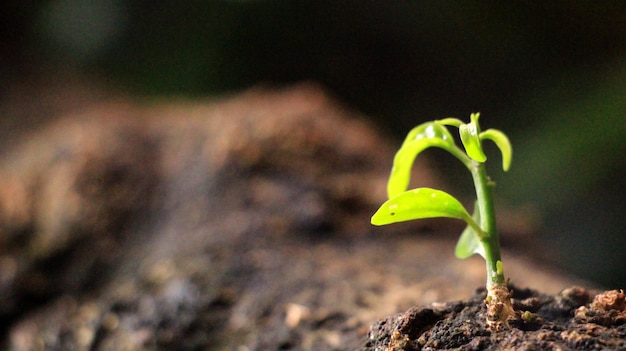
428	130
420	138
470	137
469	243
503	143
400	176
418	204
450	121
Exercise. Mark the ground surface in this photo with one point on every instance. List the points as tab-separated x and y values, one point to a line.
572	320
236	224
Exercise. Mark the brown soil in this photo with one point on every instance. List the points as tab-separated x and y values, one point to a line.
570	320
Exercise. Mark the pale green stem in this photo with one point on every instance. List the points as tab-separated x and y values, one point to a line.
484	193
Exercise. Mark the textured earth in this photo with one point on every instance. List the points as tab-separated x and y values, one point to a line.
238	223
573	319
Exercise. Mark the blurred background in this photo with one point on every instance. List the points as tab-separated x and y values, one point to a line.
550	74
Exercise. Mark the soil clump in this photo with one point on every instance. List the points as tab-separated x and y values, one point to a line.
572	320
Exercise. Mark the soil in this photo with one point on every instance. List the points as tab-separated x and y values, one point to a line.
239	223
570	320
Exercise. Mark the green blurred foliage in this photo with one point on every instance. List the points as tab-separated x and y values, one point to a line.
549	74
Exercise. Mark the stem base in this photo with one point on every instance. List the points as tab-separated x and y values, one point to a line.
499	306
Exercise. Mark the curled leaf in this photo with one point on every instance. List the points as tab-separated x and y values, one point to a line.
428	130
503	143
418	204
450	121
470	137
419	139
400	176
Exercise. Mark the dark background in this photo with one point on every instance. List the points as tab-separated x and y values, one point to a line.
550	74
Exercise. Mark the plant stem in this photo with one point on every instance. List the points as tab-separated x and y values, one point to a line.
484	193
499	306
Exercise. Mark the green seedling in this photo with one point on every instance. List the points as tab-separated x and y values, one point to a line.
481	235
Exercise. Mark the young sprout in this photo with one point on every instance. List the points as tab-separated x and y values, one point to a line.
480	236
